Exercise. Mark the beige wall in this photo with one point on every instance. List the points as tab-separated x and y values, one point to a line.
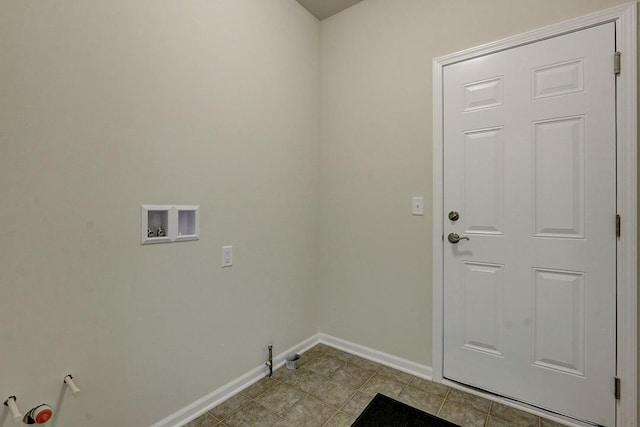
106	105
376	131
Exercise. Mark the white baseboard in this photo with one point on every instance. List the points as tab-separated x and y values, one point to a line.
404	365
210	401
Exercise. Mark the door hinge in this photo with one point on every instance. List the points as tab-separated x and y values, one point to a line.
616	390
618	226
616	62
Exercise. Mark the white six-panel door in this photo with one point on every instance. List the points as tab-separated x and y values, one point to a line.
530	168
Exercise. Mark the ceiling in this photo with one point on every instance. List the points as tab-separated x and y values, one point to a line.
322	9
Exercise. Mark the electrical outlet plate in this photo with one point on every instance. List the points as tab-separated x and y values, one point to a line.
227	256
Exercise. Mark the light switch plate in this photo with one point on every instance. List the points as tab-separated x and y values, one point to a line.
417	206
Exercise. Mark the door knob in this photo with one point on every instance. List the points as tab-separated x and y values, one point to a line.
455	238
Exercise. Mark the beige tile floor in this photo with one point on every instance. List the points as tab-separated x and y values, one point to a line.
330	389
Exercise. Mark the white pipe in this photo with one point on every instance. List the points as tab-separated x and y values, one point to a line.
69	381
11	403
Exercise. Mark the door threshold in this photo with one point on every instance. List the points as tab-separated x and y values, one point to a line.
522	406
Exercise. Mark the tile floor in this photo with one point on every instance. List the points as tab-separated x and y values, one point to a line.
330	389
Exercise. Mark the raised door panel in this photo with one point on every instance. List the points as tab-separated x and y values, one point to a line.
559	320
483	175
482	94
483	288
558	79
559	181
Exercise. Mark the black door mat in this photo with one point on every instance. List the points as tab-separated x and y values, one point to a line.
384	411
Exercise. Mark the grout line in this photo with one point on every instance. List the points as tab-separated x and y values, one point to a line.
358	389
337	409
325	378
443	401
486	421
405	387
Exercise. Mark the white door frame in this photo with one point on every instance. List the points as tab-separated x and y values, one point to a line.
625	18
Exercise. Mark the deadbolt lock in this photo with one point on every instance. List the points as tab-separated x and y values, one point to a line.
454	216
